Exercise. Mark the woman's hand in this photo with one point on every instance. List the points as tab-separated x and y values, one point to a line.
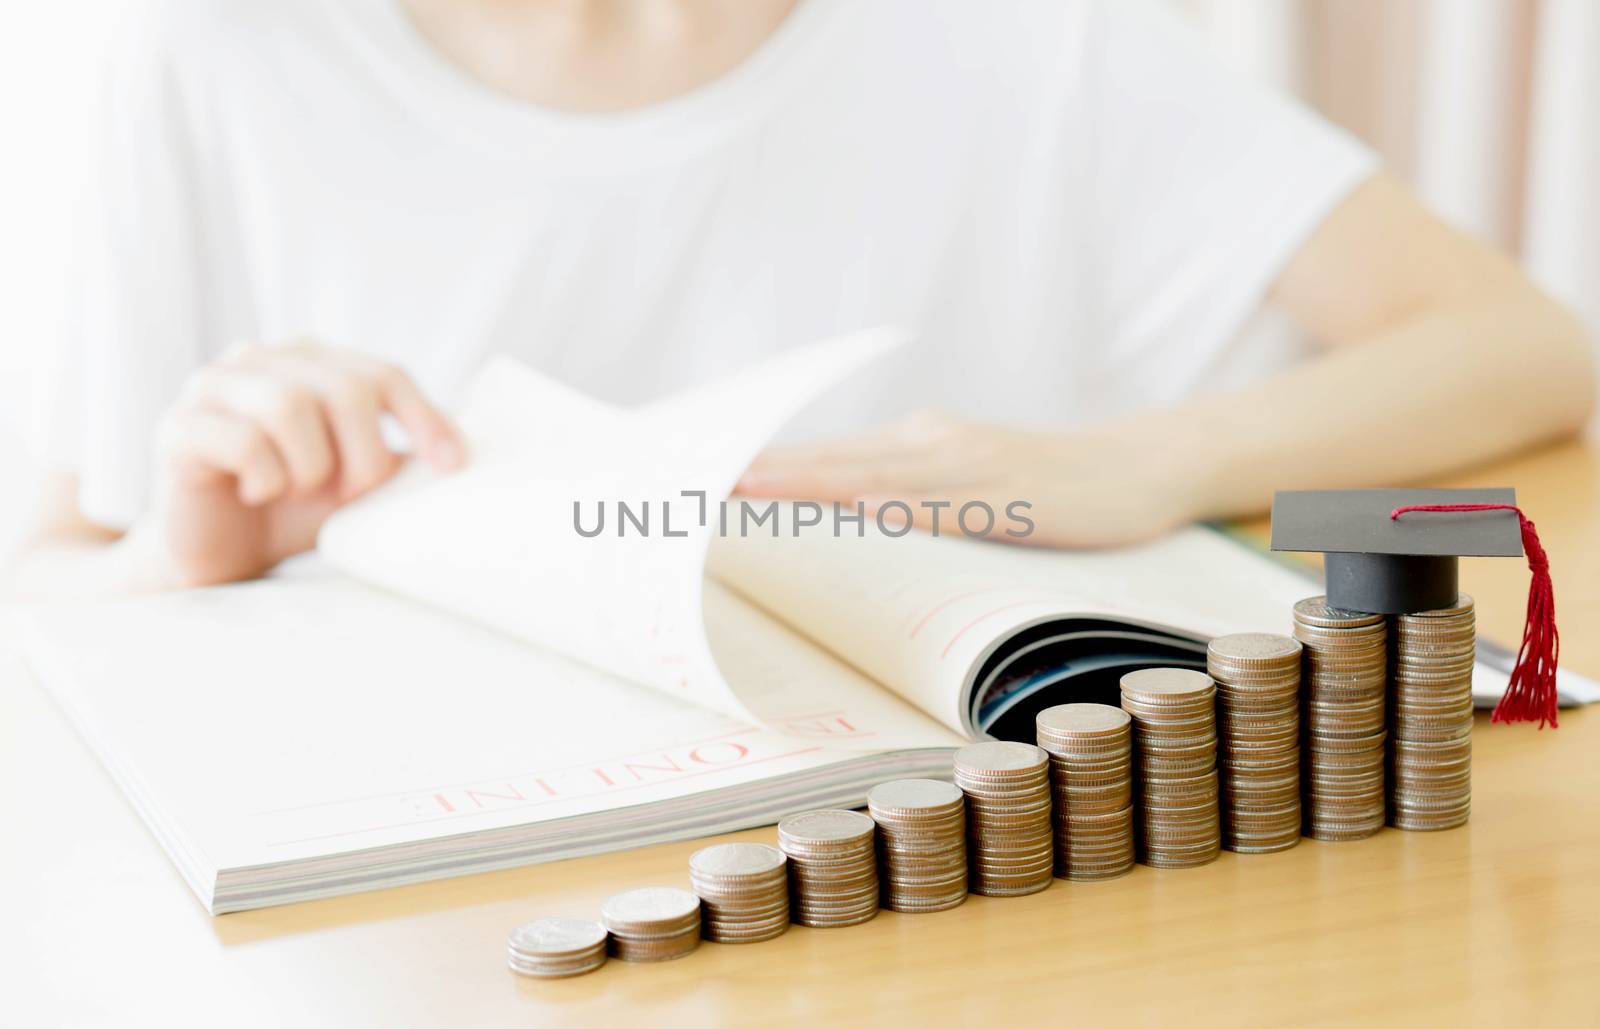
262	446
1083	489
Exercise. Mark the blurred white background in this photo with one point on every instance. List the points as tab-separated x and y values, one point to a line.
48	58
1490	108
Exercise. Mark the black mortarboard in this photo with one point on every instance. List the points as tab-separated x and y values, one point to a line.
1386	565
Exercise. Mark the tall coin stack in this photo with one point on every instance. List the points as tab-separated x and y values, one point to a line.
833	867
1430	717
1258	739
922	844
1175	758
743	889
653	923
1009	843
1091	776
1343	680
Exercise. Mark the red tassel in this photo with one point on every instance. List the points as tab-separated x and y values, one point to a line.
1531	694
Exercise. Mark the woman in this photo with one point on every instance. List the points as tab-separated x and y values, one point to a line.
311	214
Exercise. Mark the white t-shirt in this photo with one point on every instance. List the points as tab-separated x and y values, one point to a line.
1075	208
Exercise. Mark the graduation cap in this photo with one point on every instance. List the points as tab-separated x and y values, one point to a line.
1395	551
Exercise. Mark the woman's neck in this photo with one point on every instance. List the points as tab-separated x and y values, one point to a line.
596	55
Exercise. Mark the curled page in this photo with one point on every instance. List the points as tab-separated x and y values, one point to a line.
583	527
927	616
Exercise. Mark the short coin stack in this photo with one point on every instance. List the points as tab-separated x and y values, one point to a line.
1343	680
744	891
553	948
1430	717
833	867
1258	739
1175	756
922	844
654	923
1010	850
1091	776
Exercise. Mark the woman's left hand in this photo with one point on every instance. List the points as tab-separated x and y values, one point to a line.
1089	489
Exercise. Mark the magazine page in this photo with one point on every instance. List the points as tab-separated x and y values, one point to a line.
583	527
794	687
389	724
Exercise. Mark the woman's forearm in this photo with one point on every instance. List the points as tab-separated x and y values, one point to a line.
65	556
1443	389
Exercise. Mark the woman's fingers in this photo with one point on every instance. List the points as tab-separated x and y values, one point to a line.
432	433
207	442
362	384
351	407
928	471
432	436
883	443
352	393
288	414
958	514
818	480
887	445
915	476
922	451
773	472
313	416
354	408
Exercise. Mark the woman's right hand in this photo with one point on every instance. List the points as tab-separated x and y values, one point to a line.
263	446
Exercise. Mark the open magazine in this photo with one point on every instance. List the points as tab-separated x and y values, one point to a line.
471	675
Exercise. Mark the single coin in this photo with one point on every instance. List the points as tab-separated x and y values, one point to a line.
1162	685
556	937
642	909
736	861
912	797
1081	720
1249	650
826	826
1315	611
999	758
1462	606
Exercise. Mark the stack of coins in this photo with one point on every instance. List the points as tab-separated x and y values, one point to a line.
1091	777
744	891
655	923
1175	756
1343	679
1430	717
1010	849
553	948
1258	739
922	844
833	867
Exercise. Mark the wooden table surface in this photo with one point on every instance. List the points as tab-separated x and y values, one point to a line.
1497	922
